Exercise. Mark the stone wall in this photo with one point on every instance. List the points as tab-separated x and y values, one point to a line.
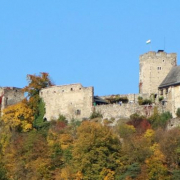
132	98
72	101
124	110
153	69
10	96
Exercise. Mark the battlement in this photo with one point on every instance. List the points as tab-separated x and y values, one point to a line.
153	54
64	89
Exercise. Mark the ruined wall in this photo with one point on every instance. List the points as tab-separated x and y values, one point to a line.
124	110
153	69
72	101
10	96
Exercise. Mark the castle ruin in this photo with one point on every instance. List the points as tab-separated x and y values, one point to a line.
10	96
72	101
159	78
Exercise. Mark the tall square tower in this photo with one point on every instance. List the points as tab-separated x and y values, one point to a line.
154	67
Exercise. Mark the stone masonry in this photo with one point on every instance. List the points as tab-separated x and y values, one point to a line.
10	96
72	101
154	67
76	101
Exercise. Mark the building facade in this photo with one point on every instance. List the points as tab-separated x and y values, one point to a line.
72	101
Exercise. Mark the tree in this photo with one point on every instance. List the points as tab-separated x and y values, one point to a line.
19	116
159	120
36	83
95	149
156	167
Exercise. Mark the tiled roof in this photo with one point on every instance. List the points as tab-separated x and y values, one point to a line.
173	78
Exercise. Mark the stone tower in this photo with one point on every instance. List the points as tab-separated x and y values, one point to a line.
154	67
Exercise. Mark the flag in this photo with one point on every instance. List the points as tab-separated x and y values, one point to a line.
148	41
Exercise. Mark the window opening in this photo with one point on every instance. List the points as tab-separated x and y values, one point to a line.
161	92
78	112
166	90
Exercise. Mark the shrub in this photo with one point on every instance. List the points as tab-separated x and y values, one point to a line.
178	112
160	120
140	100
116	99
161	98
126	130
146	101
62	118
95	115
139	122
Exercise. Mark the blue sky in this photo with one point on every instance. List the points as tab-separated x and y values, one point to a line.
93	42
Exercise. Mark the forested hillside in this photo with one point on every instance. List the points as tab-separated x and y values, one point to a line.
34	149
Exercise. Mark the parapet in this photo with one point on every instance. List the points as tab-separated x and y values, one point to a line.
64	88
160	53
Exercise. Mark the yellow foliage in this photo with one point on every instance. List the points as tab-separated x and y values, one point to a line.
65	140
52	138
154	147
66	174
155	164
126	130
79	175
108	174
149	135
19	116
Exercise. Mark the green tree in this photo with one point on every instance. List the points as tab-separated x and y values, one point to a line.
95	148
159	120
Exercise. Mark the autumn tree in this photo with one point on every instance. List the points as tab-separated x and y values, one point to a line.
36	83
18	117
95	151
156	165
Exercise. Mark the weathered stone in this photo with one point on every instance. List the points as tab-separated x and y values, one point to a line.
72	101
10	96
154	67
